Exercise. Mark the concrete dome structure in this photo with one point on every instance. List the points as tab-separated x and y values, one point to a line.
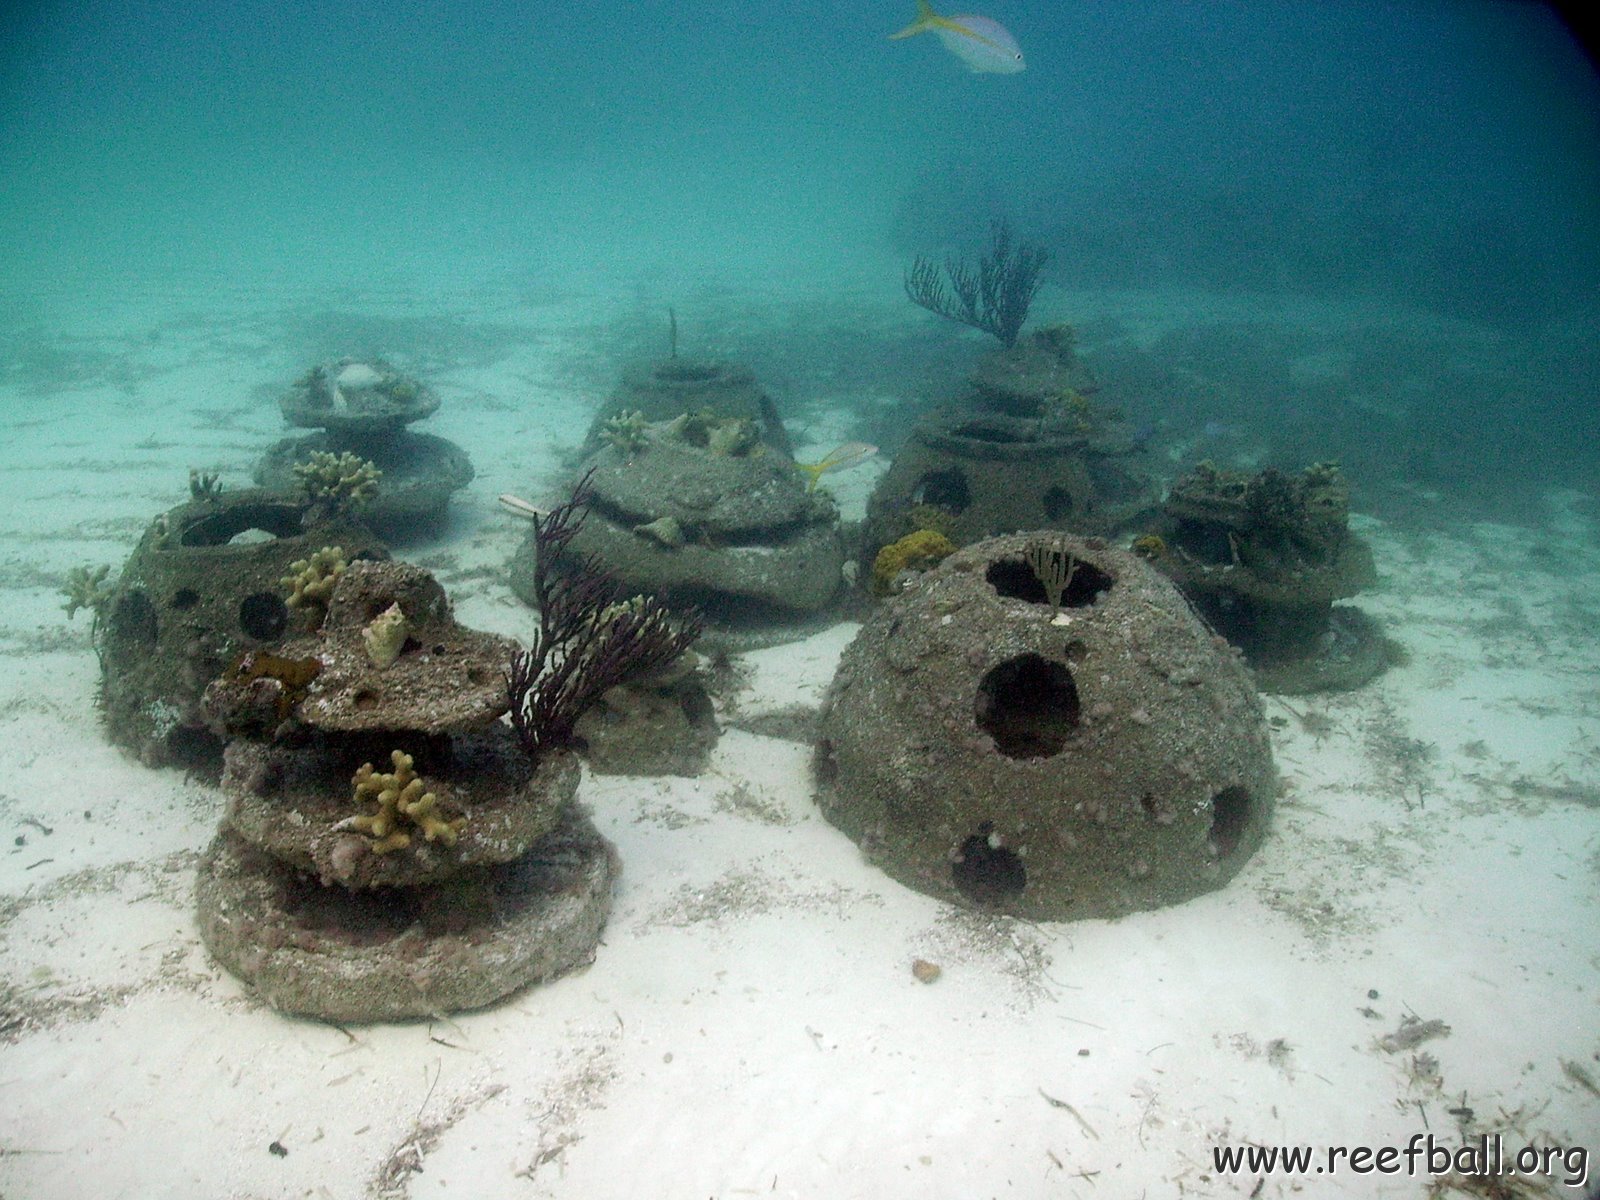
1041	726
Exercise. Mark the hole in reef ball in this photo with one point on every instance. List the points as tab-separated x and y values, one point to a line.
185	598
248	522
1028	705
1230	817
194	747
1015	580
1058	505
946	489
264	616
984	871
133	619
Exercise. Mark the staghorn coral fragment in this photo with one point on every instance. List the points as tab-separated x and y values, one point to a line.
628	431
338	481
311	581
404	805
86	587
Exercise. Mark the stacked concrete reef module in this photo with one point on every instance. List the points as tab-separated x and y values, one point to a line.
1040	726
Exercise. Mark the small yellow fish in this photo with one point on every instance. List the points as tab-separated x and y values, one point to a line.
985	45
837	459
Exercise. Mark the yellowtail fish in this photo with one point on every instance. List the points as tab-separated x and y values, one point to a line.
984	45
837	459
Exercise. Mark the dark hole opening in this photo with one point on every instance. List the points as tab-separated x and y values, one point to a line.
1230	818
984	871
1206	541
264	616
197	749
824	766
133	619
684	370
218	529
697	708
1029	706
992	432
1058	505
945	489
185	598
1016	580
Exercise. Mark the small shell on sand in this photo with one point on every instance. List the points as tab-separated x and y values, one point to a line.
925	971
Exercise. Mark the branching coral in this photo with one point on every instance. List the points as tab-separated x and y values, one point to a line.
628	431
994	296
86	587
337	481
1053	565
310	581
587	643
204	485
404	805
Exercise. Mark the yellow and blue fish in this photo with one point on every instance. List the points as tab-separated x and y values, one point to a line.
983	44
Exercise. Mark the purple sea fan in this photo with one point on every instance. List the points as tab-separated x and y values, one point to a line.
588	640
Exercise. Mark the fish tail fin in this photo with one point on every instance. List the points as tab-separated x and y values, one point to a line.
926	19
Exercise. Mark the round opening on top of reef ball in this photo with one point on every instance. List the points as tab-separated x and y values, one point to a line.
220	528
1231	813
1082	582
1029	706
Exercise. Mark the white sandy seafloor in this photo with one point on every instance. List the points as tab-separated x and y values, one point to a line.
750	1025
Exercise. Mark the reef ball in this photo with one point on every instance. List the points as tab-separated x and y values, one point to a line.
1040	726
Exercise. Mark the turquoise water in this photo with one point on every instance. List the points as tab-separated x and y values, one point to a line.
1441	158
1443	152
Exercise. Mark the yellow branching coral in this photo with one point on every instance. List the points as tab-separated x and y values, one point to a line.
915	552
628	431
404	805
310	581
338	479
86	587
